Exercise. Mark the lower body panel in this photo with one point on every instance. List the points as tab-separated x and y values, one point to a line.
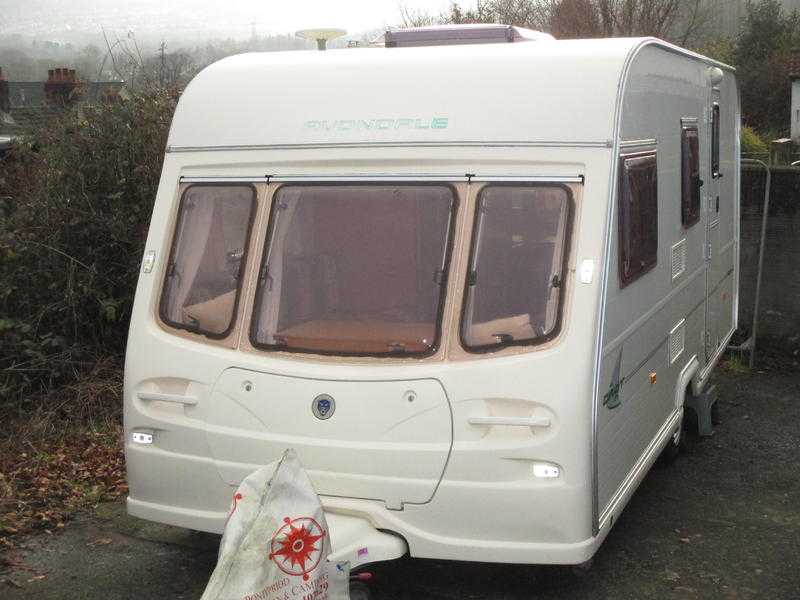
161	482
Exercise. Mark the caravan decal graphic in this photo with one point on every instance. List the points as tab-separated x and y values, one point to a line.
405	124
611	399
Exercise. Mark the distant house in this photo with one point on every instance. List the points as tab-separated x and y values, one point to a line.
24	104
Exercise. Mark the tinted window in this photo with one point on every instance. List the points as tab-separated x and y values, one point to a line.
517	266
690	177
201	289
354	269
715	132
638	216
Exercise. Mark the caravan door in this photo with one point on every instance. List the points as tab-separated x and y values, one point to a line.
719	241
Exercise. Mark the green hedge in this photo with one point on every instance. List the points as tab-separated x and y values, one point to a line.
75	203
753	144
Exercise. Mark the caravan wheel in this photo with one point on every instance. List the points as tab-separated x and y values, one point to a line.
359	591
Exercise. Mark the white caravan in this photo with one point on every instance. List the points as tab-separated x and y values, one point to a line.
471	285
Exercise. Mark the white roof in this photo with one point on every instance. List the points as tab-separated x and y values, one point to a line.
560	91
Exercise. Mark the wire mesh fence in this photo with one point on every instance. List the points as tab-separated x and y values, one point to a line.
779	310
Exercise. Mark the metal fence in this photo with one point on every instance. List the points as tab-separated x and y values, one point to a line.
769	306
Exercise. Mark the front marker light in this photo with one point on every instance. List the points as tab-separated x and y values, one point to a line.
139	437
148	261
546	471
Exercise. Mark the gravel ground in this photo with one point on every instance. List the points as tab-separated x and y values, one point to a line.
723	521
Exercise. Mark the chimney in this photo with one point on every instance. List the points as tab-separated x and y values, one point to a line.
794	75
59	90
5	102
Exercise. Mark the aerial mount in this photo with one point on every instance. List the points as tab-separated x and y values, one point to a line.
321	35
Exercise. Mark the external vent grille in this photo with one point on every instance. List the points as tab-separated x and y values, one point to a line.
677	341
678	259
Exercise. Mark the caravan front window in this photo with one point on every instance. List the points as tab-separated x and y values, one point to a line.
354	269
201	289
516	275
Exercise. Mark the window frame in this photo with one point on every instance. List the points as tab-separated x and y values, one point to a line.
716	132
258	298
626	281
565	274
695	208
178	221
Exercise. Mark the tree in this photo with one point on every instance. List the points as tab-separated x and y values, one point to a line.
675	20
681	21
88	62
575	19
416	18
170	70
765	31
762	56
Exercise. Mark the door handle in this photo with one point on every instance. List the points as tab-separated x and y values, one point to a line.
176	398
532	422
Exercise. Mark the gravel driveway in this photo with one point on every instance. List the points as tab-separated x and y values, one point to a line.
723	521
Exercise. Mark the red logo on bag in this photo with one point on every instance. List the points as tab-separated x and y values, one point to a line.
296	548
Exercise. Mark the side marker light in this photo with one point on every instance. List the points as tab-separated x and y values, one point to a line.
586	271
148	261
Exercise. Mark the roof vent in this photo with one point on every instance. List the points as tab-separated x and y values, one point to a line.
449	35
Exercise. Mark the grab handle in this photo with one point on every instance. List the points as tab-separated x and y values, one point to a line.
532	422
176	398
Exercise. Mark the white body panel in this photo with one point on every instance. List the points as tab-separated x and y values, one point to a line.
449	487
661	90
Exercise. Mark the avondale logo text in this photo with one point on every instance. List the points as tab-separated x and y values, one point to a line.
377	124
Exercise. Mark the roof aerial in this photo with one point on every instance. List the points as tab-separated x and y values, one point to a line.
321	35
444	35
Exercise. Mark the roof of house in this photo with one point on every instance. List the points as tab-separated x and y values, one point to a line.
27	94
29	107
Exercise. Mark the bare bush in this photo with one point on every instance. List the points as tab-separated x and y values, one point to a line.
682	21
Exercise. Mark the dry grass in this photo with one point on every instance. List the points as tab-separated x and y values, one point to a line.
61	452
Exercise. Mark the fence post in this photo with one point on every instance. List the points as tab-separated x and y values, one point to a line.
751	342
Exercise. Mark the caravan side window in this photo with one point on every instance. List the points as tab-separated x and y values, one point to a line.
206	264
690	176
638	216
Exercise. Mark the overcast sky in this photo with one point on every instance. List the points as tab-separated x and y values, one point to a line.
267	16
